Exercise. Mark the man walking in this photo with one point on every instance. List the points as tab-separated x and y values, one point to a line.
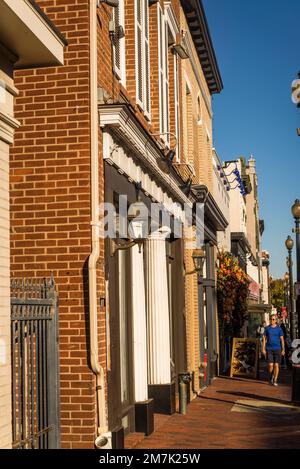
273	343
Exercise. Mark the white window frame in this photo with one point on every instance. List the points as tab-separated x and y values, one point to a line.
177	107
173	30
162	27
199	108
188	93
142	55
120	69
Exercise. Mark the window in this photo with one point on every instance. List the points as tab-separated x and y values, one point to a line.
163	34
177	108
119	42
189	125
171	77
199	110
142	65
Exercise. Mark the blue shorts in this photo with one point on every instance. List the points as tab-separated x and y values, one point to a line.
274	356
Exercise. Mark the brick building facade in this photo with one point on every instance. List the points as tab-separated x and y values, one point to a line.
111	122
18	20
50	207
200	79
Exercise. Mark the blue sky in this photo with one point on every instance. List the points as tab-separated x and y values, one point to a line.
257	45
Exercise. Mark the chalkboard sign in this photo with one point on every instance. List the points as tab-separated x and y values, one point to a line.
244	362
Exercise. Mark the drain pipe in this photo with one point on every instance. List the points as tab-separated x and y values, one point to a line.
103	439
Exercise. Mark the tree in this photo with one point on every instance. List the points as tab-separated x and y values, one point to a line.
233	291
277	293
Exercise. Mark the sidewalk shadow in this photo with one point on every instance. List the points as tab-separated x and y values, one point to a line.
244	380
254	396
268	414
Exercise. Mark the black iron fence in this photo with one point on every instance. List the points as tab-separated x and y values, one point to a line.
35	364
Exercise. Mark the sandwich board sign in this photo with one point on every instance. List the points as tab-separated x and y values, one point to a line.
244	361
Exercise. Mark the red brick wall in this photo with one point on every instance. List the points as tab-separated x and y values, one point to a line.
113	87
50	206
50	189
105	76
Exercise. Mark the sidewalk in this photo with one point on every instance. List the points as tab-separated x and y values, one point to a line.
232	414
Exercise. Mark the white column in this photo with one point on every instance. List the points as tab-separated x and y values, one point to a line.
158	309
139	325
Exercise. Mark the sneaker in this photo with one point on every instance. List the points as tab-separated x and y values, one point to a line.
271	380
275	383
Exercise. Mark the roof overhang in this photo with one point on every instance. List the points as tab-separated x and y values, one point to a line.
265	262
241	239
198	26
28	34
259	308
212	212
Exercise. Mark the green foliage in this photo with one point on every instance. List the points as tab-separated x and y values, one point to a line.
277	293
233	291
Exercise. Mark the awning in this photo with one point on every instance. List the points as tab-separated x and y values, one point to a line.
29	36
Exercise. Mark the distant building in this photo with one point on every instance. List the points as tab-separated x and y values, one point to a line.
222	197
200	80
254	228
266	295
129	114
246	230
240	245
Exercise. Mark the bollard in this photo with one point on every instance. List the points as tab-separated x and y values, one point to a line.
184	380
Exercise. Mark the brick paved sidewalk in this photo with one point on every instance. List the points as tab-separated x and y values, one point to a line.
230	413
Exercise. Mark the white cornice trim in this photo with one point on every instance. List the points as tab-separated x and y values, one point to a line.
119	121
195	67
7	126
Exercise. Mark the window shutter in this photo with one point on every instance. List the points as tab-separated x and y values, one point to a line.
163	75
177	110
142	60
117	50
139	55
147	58
119	42
166	85
161	70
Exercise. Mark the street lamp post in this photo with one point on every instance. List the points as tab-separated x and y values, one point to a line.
286	291
289	243
296	215
198	257
296	367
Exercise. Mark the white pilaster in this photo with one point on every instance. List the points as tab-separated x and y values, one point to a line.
7	126
139	325
158	309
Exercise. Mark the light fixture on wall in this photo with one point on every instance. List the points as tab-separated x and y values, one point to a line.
224	176
138	226
187	186
198	257
180	46
165	163
238	178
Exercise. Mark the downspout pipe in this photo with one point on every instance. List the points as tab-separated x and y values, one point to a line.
103	438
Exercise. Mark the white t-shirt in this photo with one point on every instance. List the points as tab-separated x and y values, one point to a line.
261	330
